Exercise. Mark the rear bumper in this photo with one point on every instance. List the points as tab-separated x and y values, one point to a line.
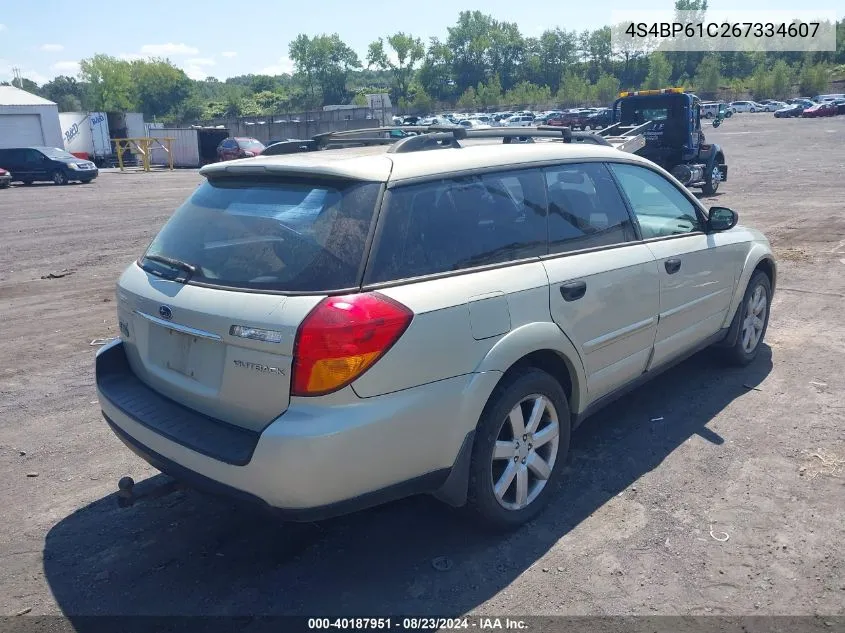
320	458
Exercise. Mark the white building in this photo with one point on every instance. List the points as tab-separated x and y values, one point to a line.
27	120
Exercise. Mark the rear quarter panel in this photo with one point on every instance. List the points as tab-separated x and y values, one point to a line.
457	321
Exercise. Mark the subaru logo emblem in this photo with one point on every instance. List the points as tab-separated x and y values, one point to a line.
165	313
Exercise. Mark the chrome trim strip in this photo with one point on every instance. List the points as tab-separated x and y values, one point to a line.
612	337
184	329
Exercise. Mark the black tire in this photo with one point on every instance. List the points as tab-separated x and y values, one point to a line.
26	183
711	182
5	185
708	115
738	353
482	503
59	177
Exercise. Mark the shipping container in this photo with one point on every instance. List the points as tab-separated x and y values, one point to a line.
185	147
86	134
191	147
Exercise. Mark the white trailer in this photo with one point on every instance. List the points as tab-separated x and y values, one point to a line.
86	133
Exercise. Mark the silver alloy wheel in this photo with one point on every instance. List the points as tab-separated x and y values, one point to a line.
716	177
59	178
755	318
525	452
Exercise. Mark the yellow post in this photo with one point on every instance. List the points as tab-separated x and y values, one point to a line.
119	145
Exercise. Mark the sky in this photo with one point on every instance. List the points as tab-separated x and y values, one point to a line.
222	38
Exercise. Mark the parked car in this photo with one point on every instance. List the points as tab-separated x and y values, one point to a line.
50	164
773	106
520	120
789	111
5	179
575	120
597	120
710	109
826	108
473	124
509	292
746	106
840	106
828	97
236	147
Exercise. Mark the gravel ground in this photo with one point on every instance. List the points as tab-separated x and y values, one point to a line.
708	491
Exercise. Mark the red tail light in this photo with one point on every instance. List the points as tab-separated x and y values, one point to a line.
343	337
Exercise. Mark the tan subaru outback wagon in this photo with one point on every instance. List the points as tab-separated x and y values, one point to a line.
323	331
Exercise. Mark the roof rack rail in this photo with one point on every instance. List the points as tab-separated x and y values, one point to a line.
418	138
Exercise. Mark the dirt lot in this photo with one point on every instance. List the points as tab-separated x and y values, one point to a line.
709	491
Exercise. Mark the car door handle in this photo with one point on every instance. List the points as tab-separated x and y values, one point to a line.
672	265
573	290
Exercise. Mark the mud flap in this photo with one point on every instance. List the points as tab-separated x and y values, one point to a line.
454	490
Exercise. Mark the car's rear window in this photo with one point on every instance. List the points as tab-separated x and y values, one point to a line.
268	235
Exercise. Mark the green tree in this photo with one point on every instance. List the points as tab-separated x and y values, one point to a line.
599	51
68	103
191	110
324	62
435	74
708	77
607	88
574	89
813	79
110	83
269	102
62	87
160	87
760	83
556	50
659	71
490	94
469	42
780	80
737	88
528	94
408	51
469	99
506	52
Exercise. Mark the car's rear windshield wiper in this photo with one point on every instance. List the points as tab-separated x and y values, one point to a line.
174	263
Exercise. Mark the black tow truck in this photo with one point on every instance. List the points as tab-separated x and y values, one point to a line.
670	121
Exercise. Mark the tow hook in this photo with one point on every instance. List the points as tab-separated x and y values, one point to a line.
126	496
125	486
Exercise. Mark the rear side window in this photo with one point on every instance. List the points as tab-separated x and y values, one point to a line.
457	223
585	208
263	235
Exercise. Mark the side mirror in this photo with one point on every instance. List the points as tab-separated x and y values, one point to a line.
722	219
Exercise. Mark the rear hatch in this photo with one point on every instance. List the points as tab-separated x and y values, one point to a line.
209	313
